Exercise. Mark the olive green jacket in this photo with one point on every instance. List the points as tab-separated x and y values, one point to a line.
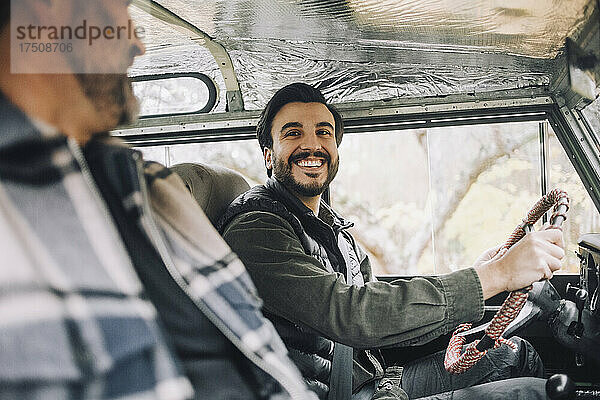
297	287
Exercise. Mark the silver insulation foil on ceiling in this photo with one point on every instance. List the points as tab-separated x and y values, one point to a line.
357	50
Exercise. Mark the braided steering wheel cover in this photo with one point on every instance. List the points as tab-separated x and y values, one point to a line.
454	362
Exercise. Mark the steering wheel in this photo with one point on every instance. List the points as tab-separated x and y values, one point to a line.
495	331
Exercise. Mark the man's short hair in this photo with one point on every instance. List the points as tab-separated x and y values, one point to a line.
296	92
4	13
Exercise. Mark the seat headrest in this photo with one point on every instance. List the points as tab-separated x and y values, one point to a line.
213	187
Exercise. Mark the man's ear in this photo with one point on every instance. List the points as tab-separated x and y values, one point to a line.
268	156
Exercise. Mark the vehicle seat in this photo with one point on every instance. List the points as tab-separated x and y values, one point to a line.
213	187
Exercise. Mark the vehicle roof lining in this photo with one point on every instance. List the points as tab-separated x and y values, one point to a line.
534	29
364	50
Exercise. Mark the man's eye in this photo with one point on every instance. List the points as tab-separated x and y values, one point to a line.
292	133
324	132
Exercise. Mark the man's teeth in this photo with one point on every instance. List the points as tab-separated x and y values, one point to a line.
310	163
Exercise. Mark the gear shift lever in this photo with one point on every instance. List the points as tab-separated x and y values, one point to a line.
579	297
560	387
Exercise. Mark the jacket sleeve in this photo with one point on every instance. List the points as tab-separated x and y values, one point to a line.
295	286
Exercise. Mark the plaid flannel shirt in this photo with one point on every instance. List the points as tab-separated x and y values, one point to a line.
73	323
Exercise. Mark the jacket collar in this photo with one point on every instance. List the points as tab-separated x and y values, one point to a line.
326	213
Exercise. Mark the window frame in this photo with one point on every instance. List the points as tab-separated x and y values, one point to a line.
213	92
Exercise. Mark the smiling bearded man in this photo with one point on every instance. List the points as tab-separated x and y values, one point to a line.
318	288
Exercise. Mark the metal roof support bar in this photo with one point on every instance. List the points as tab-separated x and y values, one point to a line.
235	101
544	157
518	105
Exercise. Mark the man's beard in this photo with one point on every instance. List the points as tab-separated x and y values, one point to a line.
282	170
111	95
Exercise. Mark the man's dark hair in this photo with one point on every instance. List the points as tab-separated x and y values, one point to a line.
296	92
4	13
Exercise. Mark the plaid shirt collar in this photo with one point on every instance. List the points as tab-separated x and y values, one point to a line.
16	127
28	149
88	310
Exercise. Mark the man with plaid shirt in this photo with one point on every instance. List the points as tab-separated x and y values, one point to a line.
79	216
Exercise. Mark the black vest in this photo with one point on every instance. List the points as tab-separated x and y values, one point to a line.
311	352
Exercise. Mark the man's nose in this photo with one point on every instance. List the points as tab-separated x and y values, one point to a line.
138	48
310	142
137	45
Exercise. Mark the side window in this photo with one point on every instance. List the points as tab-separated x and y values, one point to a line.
583	216
383	186
430	201
484	179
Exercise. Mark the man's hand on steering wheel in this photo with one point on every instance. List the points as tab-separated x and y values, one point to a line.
533	258
523	259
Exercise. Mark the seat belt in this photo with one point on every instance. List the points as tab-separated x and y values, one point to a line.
340	382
